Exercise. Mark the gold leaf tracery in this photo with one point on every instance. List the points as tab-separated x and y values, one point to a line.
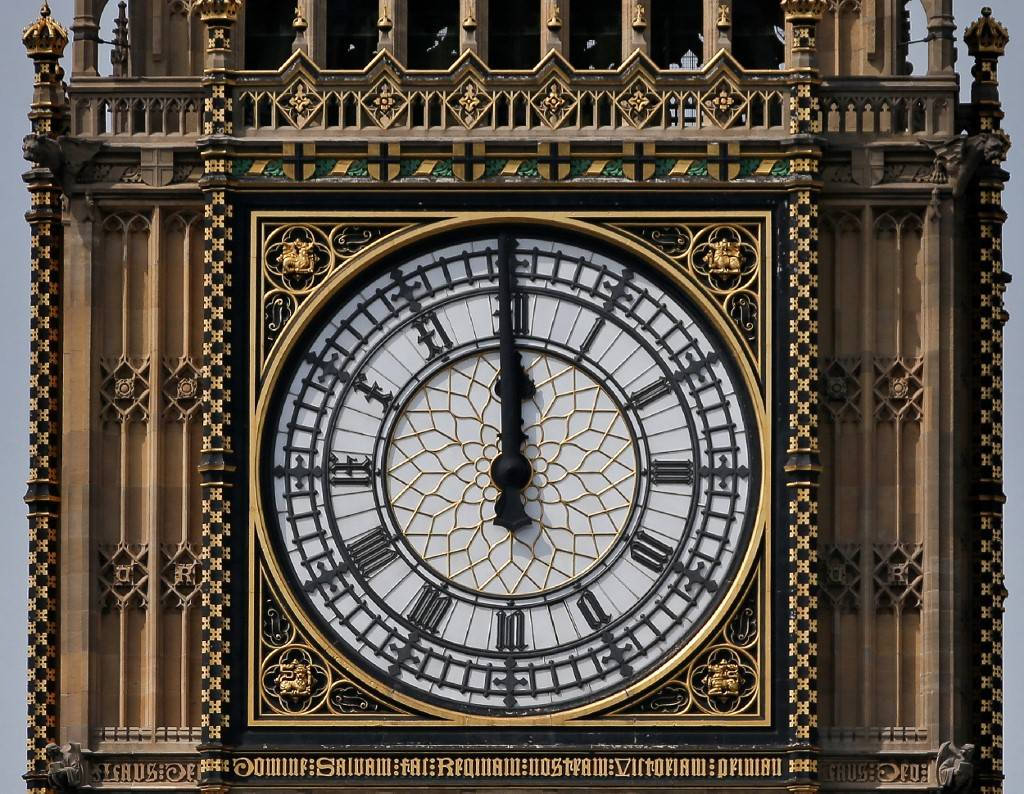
726	261
295	680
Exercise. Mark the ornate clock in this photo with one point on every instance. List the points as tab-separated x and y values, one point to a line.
512	476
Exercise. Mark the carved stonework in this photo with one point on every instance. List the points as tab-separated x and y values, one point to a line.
899	576
64	766
724	103
124	576
841	390
124	391
181	389
899	389
840	576
180	575
957	159
470	103
954	768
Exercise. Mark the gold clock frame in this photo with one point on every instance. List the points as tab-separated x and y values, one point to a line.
320	667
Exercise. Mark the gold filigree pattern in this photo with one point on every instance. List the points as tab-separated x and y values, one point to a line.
725	678
580	496
297	258
297	681
724	259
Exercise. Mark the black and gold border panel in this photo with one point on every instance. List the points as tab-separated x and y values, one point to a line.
986	40
726	260
45	40
802	464
293	682
294	679
217	464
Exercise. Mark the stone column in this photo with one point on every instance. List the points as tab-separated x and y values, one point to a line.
986	41
45	40
217	464
803	465
942	45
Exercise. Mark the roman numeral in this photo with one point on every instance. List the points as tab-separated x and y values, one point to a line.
351	471
432	334
511	631
372	552
650	552
520	314
592	611
650	394
372	392
672	472
429	609
591	337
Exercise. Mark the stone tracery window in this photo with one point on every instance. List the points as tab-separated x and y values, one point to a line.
351	33
269	34
677	33
758	34
595	34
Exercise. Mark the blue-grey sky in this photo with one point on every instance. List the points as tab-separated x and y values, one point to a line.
15	93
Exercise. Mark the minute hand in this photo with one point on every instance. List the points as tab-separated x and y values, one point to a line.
511	470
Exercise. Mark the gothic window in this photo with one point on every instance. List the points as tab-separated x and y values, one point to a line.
433	33
513	37
268	33
677	33
758	34
351	33
595	34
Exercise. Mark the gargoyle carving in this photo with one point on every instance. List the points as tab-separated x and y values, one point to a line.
958	159
955	768
64	766
64	157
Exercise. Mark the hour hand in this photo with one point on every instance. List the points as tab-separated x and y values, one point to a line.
511	471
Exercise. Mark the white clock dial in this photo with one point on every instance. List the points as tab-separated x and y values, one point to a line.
632	483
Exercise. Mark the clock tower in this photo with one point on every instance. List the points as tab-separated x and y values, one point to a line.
544	395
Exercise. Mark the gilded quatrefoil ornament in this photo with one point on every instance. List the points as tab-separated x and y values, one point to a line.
299	103
470	103
384	103
639	103
724	103
554	102
299	258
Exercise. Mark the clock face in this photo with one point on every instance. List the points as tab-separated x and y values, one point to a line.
511	476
